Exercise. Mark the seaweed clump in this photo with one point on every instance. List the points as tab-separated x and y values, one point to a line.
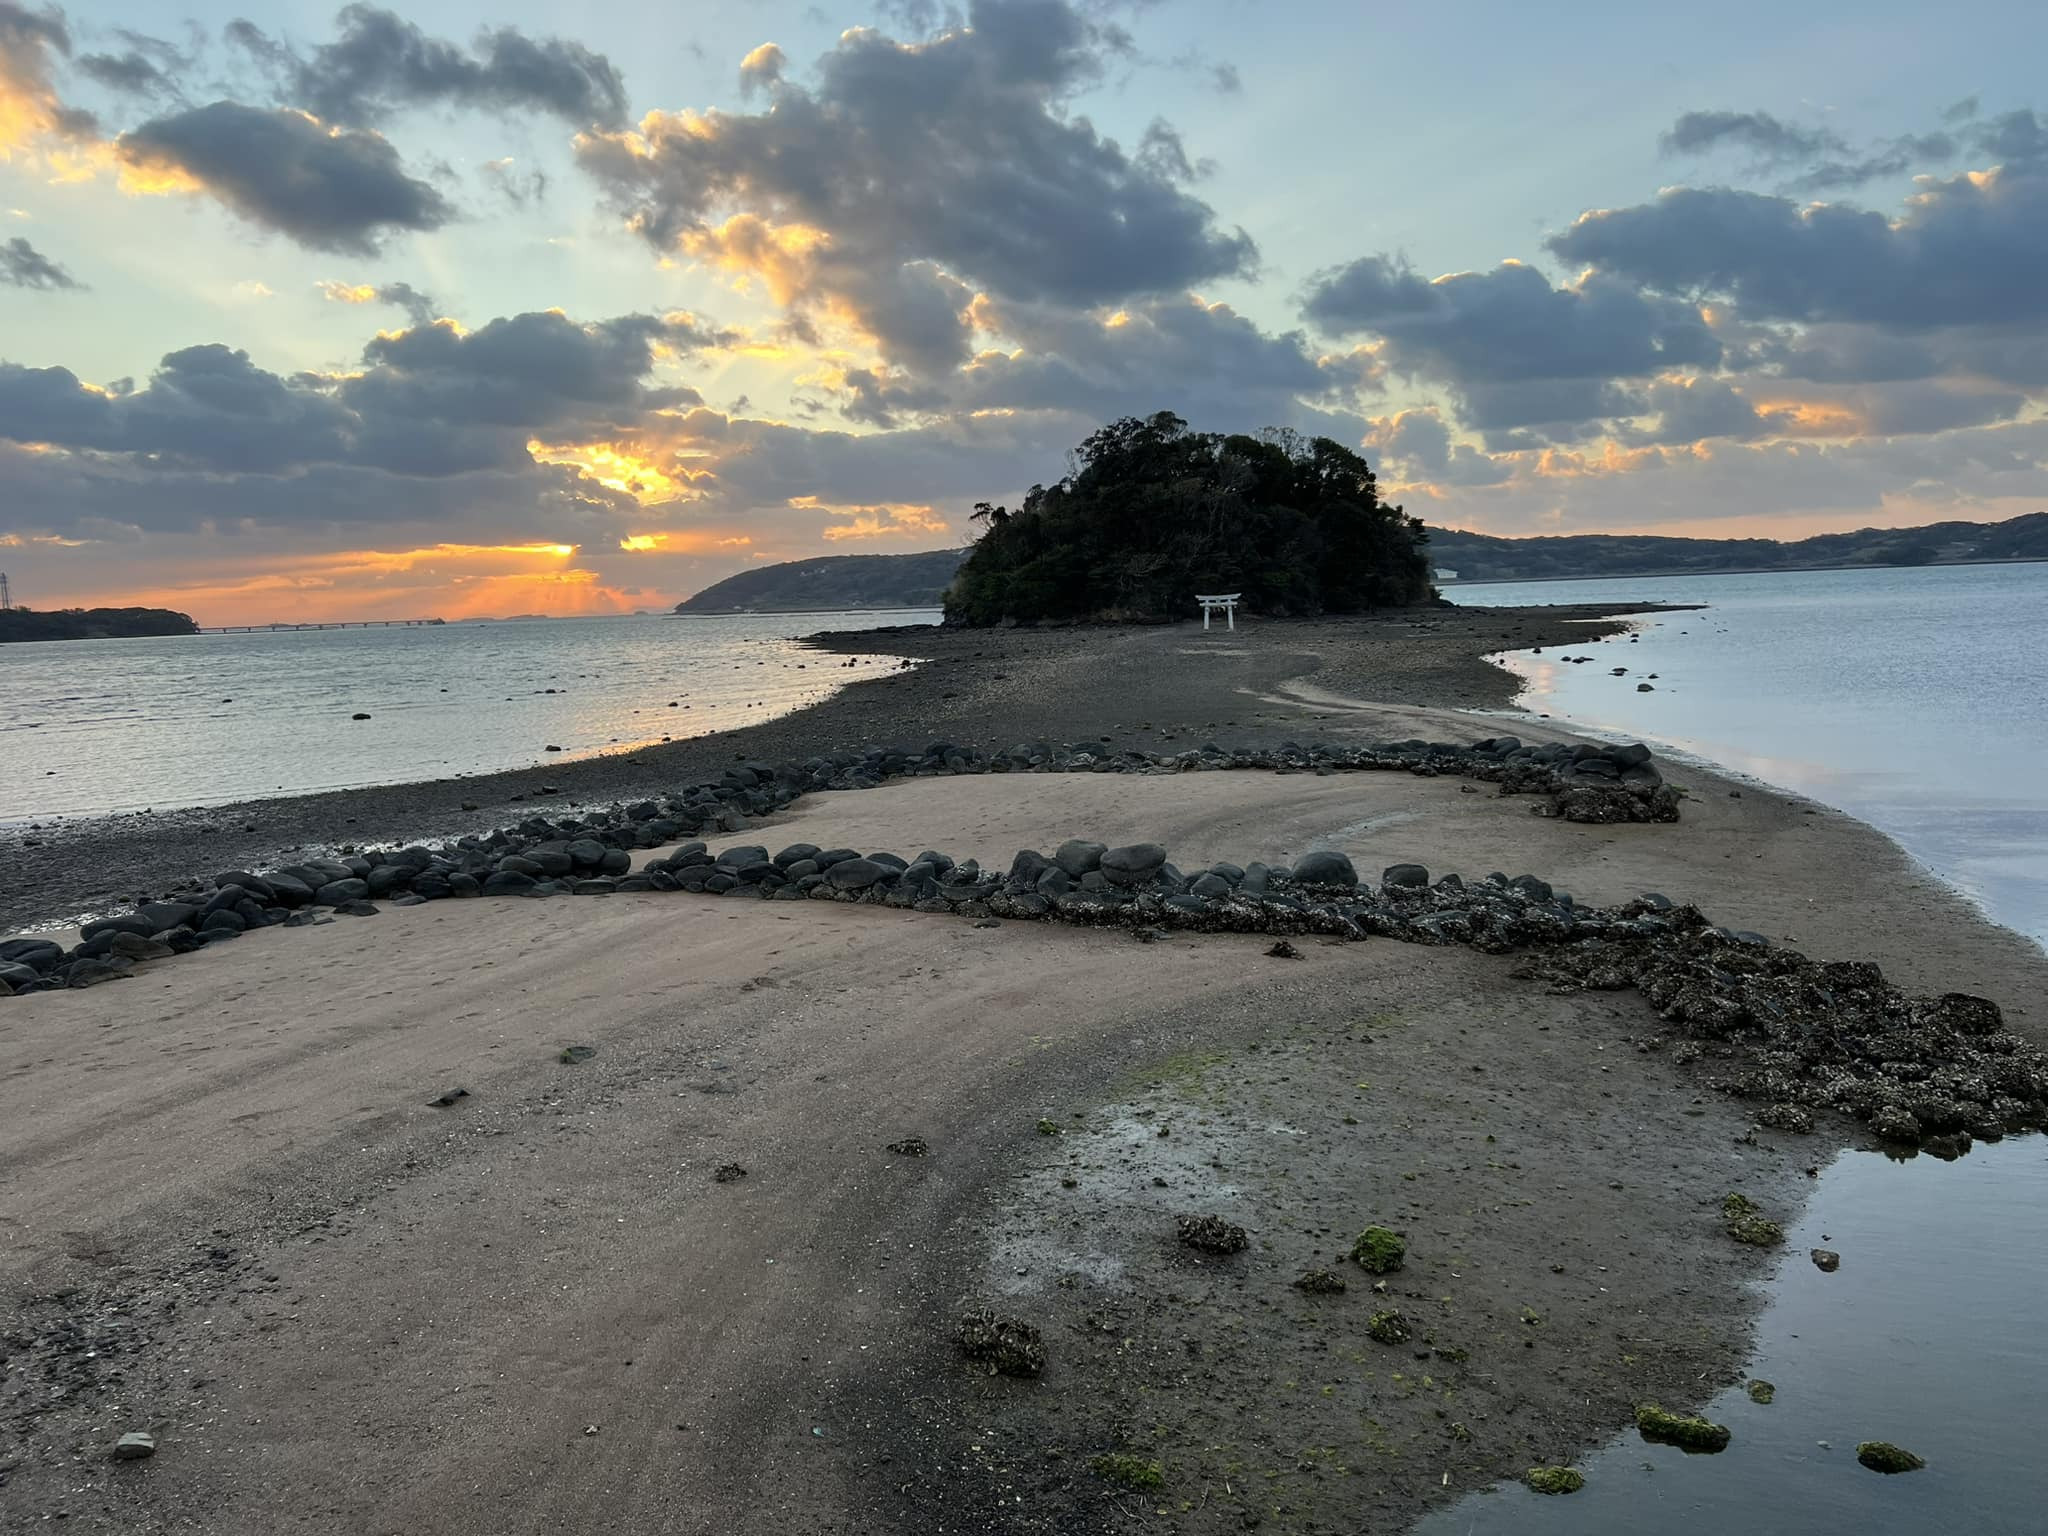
1761	1391
1389	1328
1002	1344
1131	1471
1554	1479
1212	1234
1687	1431
1883	1456
1746	1224
1379	1250
1319	1282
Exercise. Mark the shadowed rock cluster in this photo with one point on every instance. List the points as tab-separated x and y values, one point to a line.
1770	1025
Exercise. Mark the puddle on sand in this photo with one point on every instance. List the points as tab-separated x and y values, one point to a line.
1933	1335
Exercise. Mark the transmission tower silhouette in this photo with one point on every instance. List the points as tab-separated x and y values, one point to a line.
5	601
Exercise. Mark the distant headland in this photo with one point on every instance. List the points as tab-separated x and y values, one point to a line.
92	623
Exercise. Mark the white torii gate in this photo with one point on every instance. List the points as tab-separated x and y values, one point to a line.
1227	601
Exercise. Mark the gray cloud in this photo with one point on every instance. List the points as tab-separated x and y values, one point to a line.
330	191
1417	445
379	62
428	402
129	73
1769	139
1205	362
1518	352
23	266
1968	251
31	42
957	155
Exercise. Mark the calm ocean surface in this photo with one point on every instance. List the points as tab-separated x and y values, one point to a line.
1915	700
92	726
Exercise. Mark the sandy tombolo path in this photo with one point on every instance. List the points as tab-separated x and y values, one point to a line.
231	1217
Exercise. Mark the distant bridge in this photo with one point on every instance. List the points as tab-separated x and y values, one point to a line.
264	629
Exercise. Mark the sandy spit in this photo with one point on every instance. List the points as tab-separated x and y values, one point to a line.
231	1217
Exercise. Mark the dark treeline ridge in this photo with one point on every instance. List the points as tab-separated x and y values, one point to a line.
92	623
1153	513
1481	557
833	581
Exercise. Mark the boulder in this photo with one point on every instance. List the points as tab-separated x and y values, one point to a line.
289	890
1134	865
90	973
335	892
1078	858
507	882
38	954
855	874
585	853
1413	875
132	946
1325	868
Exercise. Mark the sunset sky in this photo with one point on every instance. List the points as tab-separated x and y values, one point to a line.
473	308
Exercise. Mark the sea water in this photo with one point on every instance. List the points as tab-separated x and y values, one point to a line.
1915	700
89	727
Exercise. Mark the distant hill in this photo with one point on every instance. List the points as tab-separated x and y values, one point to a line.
833	581
92	623
918	581
1480	557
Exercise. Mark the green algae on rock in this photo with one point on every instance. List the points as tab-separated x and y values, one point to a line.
1761	1391
1883	1456
1746	1224
1379	1250
1389	1328
1131	1471
1048	1127
1554	1479
1687	1431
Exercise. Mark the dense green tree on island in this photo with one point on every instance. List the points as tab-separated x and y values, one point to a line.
1153	513
92	623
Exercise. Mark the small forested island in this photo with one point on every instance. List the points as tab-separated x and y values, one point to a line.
1154	513
92	623
831	582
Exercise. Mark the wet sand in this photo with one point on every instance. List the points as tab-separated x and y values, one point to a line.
233	1219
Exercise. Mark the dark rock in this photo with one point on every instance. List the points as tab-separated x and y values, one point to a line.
91	973
1883	1456
356	907
1826	1260
335	892
135	1445
507	882
449	1099
1405	875
1282	950
1078	858
1328	868
855	874
1134	865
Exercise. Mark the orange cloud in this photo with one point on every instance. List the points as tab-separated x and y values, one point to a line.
621	467
886	520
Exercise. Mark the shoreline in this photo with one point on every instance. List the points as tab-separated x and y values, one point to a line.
252	1190
981	687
